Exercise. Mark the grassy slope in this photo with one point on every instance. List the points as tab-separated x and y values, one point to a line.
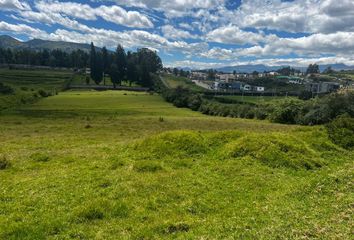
27	83
173	81
100	165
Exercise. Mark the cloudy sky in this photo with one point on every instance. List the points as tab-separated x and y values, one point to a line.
196	33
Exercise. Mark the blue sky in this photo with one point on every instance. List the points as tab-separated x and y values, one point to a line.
196	33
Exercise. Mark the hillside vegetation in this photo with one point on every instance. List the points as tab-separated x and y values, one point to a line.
126	165
27	86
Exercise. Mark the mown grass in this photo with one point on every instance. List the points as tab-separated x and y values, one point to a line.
132	176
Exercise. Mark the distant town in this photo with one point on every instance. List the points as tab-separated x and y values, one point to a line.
286	80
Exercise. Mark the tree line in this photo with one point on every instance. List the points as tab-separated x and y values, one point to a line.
135	67
51	58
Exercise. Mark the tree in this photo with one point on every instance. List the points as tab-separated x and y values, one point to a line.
105	63
175	71
93	61
132	69
96	65
120	66
148	62
328	70
313	69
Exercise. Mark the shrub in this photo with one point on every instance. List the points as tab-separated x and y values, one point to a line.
341	132
194	102
43	93
305	95
4	163
286	111
6	89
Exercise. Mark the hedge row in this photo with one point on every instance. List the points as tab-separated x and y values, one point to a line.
288	110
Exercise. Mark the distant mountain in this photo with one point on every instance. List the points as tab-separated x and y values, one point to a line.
262	68
248	68
38	44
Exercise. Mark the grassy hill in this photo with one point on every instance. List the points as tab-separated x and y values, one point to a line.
30	85
126	165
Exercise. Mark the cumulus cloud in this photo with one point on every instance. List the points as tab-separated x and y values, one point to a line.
310	16
234	35
173	8
171	32
14	5
113	13
340	43
22	29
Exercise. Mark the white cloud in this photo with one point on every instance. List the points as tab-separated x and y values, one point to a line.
340	43
186	26
311	16
117	14
22	29
13	5
113	14
173	8
171	32
234	35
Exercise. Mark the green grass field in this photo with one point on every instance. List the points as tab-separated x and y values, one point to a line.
126	165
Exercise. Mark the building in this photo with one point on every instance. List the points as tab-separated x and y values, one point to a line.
273	74
258	89
199	76
322	87
227	78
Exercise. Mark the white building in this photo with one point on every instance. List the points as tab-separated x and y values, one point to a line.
226	78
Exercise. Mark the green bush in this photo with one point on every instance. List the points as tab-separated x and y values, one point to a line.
341	132
6	89
43	93
286	111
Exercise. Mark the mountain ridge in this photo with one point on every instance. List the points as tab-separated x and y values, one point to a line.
40	44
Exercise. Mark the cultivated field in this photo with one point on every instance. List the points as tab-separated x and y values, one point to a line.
126	165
